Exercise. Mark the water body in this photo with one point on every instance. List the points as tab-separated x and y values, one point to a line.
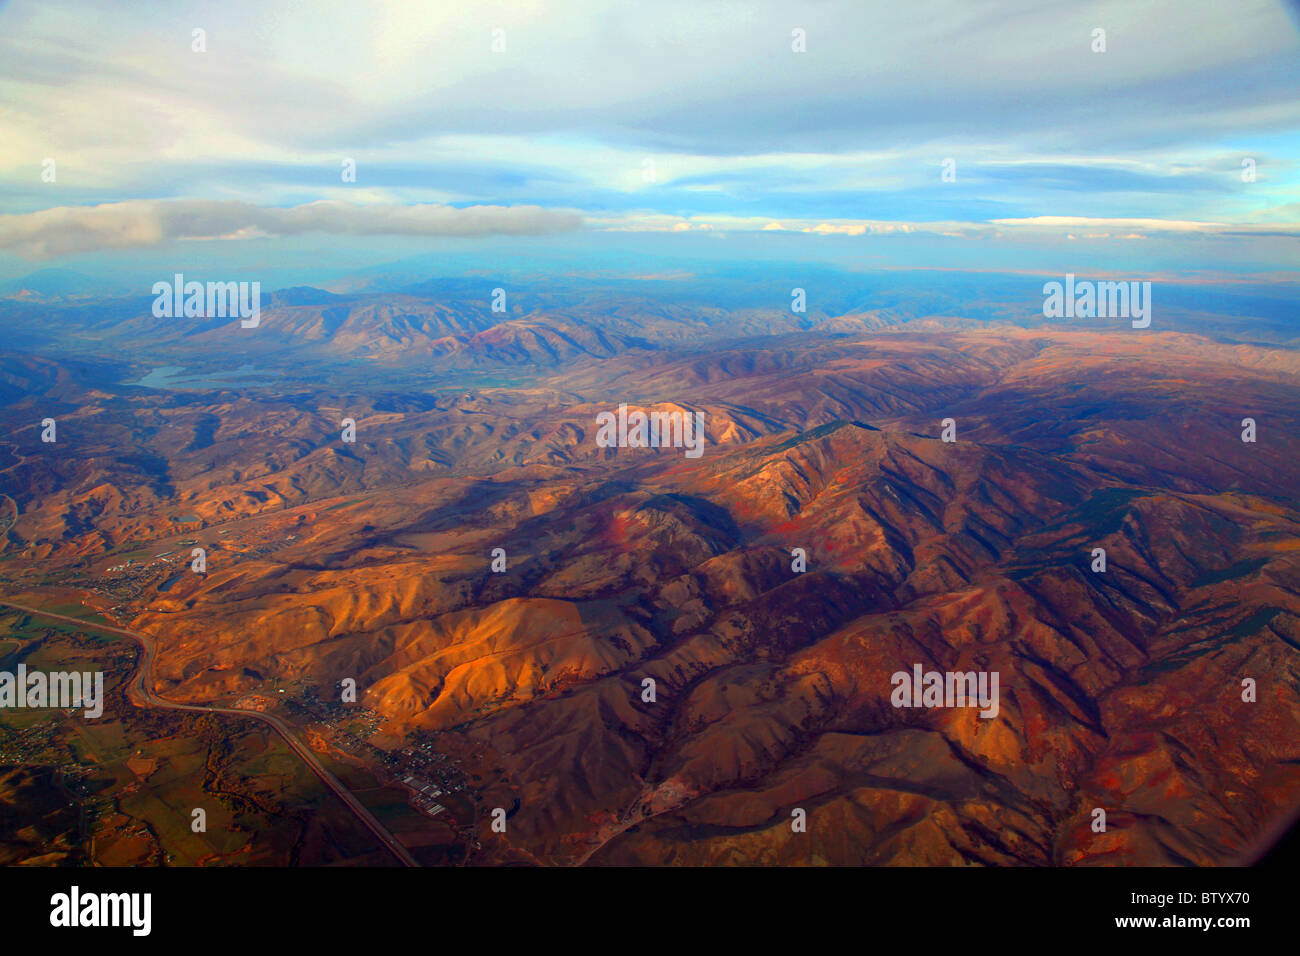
167	585
179	378
175	377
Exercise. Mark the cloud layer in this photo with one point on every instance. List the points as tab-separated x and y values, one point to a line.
73	229
680	112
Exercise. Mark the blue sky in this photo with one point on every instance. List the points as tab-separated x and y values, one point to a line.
556	132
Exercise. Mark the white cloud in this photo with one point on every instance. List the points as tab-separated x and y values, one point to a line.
125	225
1047	226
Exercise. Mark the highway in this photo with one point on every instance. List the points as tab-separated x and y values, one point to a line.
141	694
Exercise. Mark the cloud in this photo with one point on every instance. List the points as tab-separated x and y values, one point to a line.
1011	228
845	138
664	78
125	225
68	230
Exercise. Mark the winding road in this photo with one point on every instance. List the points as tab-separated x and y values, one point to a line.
141	694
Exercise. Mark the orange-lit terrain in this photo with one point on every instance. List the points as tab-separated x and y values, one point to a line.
328	560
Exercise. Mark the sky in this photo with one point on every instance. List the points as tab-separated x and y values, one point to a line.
624	136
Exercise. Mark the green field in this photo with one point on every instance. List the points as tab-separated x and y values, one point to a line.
134	776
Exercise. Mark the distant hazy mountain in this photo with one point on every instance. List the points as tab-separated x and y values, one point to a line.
59	284
303	295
